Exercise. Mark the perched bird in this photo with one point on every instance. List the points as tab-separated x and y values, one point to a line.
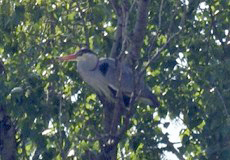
103	75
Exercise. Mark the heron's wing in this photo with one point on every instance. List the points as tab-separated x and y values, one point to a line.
108	68
124	81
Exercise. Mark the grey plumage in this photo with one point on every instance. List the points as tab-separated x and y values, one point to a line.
103	76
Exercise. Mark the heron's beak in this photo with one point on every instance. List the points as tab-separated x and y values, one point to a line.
71	57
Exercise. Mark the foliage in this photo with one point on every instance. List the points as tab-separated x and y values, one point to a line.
58	116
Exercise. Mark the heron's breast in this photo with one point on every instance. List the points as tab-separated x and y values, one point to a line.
96	81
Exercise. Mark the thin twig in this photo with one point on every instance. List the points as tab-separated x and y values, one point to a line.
83	138
160	11
222	100
153	39
2	68
117	42
228	36
220	96
158	52
59	126
176	10
116	7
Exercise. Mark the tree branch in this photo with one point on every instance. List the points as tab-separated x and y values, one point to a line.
139	28
118	34
173	149
2	68
160	11
135	46
117	39
116	7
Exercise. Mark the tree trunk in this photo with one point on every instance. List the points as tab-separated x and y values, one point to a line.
108	152
8	147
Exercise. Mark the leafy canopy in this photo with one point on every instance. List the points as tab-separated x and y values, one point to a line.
58	116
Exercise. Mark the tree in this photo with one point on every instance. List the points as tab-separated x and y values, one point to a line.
181	47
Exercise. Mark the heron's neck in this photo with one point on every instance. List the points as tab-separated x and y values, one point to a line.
89	63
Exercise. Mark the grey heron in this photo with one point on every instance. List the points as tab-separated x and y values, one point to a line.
103	75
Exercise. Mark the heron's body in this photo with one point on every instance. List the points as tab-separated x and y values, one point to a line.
104	77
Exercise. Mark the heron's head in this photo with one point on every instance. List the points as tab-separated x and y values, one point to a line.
80	55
